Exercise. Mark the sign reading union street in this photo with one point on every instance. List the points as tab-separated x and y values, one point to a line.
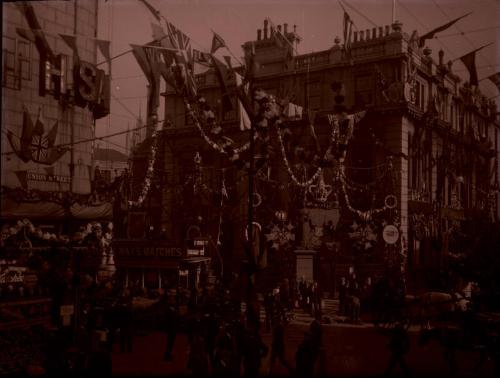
141	248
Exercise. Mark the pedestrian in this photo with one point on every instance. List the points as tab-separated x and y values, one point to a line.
316	301
210	326
171	327
278	348
309	297
224	353
126	323
302	292
316	334
198	358
99	363
254	350
399	345
305	358
342	296
269	309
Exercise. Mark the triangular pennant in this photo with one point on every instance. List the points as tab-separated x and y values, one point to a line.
22	176
26	136
54	154
71	42
227	58
221	72
469	60
429	35
39	128
103	46
15	143
495	79
142	59
217	43
245	123
51	136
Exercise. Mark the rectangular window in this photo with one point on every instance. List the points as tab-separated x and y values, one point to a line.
363	90
10	77
24	58
16	62
422	97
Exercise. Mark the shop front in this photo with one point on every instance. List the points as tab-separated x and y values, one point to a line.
157	264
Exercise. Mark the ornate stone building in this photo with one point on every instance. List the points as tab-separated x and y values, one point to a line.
424	158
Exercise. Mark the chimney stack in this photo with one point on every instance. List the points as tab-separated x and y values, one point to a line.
441	56
279	28
259	34
265	29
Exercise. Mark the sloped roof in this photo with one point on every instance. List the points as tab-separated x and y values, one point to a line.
109	154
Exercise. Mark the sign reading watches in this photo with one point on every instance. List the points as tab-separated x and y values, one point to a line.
139	248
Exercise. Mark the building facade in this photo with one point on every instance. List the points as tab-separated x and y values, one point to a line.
422	164
52	92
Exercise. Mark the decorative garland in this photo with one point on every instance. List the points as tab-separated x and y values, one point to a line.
150	171
227	149
302	184
363	215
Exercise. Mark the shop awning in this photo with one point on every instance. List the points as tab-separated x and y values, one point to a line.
92	212
31	210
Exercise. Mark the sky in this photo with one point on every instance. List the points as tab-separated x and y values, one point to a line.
318	22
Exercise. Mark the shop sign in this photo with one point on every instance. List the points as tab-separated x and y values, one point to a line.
390	234
134	248
33	176
195	252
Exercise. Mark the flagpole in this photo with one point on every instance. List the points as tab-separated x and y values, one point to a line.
393	11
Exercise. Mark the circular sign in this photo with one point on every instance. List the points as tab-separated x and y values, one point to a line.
256	199
390	201
390	234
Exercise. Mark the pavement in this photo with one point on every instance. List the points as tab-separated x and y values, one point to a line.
350	350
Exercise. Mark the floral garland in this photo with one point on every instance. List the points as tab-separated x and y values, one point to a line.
363	215
149	172
25	231
226	148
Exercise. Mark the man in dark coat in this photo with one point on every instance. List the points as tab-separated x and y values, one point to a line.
305	358
171	327
399	345
254	350
278	347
